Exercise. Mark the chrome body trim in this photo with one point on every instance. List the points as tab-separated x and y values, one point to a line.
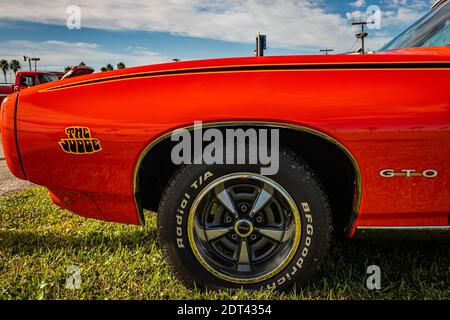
437	4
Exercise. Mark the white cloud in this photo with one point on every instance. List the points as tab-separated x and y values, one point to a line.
288	23
412	4
291	24
403	16
56	55
400	13
395	15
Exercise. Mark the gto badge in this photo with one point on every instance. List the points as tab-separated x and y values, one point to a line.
79	141
389	173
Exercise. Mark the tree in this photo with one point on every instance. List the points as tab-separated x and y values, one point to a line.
14	65
121	65
82	64
4	66
67	69
103	69
109	67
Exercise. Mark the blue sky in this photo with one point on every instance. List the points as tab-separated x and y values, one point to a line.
144	32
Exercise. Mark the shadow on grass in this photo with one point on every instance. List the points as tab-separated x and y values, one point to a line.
28	241
417	270
344	256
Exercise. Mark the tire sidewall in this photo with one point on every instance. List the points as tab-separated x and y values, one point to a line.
294	177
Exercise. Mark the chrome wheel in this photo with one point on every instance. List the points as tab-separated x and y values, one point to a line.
244	228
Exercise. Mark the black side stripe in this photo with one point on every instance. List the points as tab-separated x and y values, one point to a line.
374	66
16	136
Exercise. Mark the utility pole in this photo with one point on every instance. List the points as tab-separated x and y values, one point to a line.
326	51
261	45
363	34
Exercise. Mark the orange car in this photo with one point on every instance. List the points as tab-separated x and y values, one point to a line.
360	145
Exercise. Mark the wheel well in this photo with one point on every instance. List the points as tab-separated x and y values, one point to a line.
332	165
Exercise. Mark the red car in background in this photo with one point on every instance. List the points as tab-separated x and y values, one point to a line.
364	150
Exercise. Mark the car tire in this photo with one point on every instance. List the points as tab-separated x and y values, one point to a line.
225	227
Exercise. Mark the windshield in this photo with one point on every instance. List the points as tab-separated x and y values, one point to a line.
46	77
432	30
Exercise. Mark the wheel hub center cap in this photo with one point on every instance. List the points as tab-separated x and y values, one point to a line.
243	228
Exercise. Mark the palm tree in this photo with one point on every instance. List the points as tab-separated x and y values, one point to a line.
103	69
121	65
14	65
82	64
4	66
109	67
67	69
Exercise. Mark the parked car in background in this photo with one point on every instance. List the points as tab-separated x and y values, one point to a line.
77	71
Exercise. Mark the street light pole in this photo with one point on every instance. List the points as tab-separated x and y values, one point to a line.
25	58
35	64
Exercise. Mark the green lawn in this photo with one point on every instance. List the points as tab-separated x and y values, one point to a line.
38	241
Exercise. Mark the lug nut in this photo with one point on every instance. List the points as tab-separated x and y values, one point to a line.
253	237
234	237
228	219
259	219
244	208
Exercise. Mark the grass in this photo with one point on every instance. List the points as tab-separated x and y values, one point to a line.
38	241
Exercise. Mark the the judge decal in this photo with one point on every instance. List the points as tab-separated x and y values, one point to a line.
80	141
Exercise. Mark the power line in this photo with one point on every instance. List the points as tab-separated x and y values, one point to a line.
351	49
